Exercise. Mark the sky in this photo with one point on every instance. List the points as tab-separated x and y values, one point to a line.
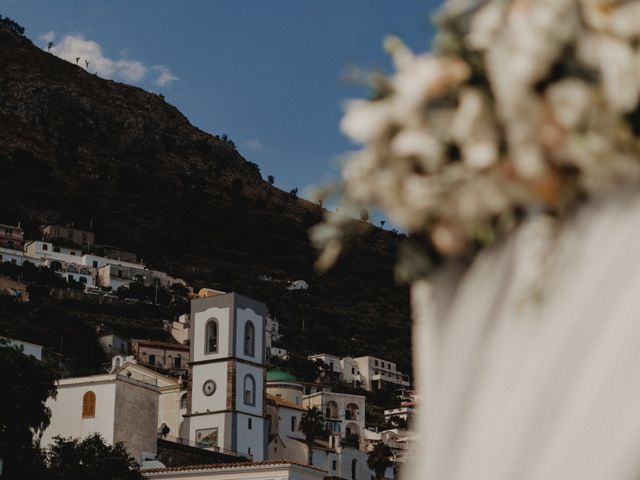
271	74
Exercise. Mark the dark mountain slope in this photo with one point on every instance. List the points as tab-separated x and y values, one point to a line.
77	148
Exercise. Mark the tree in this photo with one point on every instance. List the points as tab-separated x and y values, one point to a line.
294	192
8	24
382	222
49	46
379	459
27	384
90	459
271	179
311	424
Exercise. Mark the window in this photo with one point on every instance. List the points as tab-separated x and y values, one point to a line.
183	401
375	362
249	339
45	246
334	465
177	362
82	279
211	329
353	370
89	405
354	468
293	424
72	252
249	452
249	390
152	359
95	264
122	348
56	249
249	424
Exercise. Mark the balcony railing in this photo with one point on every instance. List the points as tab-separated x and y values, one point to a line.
350	441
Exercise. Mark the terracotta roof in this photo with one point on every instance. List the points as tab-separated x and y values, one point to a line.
219	466
281	402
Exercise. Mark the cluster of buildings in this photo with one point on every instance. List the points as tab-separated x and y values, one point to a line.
367	372
209	394
73	254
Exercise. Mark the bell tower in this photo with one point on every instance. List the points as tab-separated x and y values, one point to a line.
227	339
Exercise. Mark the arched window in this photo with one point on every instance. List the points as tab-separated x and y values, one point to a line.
211	345
249	339
354	468
89	405
183	401
249	390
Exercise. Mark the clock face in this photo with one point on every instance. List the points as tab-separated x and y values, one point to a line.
209	387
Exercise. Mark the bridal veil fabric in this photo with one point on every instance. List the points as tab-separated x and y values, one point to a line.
528	363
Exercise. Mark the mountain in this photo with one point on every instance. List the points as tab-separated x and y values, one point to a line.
125	163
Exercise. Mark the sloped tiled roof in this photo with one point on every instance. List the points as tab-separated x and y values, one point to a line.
219	466
281	402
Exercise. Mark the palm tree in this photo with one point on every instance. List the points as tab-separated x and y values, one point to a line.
311	424
379	459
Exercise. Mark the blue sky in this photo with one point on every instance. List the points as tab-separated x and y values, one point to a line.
269	73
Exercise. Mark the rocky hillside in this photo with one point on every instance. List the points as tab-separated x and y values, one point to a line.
78	148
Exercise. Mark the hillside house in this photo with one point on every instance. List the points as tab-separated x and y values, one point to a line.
168	357
16	257
379	374
28	348
11	237
82	238
113	345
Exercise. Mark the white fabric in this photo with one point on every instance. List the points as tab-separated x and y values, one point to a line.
528	363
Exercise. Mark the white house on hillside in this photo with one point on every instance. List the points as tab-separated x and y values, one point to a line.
380	374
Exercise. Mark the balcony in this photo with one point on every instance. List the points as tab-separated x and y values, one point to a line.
351	441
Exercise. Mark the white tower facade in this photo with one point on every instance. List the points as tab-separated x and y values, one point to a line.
226	408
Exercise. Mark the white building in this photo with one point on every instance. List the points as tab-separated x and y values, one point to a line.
172	400
17	257
344	414
339	456
40	250
118	407
281	470
226	405
346	369
28	348
180	330
380	374
405	412
113	344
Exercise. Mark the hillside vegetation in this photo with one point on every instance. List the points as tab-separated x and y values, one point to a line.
78	148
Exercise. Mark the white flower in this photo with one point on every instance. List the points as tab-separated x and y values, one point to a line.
619	66
569	100
365	120
419	145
